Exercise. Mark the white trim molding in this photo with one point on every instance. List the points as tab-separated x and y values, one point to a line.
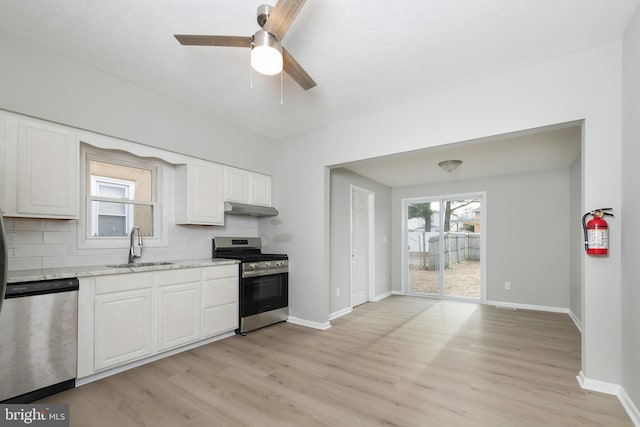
630	407
613	389
309	323
551	309
516	306
597	385
576	321
340	313
382	296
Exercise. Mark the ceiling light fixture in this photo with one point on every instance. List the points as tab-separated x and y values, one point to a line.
450	165
266	54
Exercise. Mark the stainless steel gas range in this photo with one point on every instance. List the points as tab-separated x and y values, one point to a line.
264	281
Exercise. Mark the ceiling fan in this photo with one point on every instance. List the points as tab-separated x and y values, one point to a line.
267	54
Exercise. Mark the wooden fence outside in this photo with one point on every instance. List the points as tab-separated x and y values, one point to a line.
458	247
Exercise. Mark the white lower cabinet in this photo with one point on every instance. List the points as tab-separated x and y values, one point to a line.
123	327
122	318
178	308
219	299
127	317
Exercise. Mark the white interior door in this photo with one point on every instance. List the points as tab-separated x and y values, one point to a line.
359	247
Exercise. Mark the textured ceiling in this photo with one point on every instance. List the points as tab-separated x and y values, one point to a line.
364	55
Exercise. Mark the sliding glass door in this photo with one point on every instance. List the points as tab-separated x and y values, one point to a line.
444	246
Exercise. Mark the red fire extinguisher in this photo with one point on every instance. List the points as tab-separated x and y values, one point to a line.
596	232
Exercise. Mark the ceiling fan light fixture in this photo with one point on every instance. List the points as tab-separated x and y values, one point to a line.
449	165
266	54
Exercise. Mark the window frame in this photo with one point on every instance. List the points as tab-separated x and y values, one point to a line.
159	196
130	187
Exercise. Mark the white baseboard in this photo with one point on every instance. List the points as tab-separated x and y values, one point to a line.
397	293
630	407
348	310
516	306
613	389
381	296
309	324
513	305
597	385
340	313
576	321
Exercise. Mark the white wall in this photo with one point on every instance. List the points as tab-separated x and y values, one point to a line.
41	83
340	245
630	212
585	86
301	228
527	234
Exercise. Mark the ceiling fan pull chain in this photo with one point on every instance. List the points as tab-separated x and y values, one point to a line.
281	90
250	77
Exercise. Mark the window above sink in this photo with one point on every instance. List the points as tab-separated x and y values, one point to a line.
121	190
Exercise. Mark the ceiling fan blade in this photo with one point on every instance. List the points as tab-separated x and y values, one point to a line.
296	71
282	16
230	41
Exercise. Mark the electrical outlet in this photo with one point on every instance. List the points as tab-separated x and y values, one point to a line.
11	240
337	292
507	286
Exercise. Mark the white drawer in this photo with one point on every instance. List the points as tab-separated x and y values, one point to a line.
123	282
217	272
183	275
219	291
216	320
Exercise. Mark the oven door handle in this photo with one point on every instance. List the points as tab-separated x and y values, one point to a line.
271	272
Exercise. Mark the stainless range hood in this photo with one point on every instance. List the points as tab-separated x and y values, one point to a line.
234	208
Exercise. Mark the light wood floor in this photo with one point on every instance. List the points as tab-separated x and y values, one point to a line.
403	361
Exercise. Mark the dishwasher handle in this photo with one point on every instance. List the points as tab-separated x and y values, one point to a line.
26	289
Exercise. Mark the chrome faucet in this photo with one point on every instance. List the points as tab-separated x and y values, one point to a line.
132	250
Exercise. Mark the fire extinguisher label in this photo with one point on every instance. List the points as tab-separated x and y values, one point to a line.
598	238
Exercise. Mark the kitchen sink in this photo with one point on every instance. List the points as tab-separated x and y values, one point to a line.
140	264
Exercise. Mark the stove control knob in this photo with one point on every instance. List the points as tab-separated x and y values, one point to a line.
253	265
267	265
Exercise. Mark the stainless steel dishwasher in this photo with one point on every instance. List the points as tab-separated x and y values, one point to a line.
38	339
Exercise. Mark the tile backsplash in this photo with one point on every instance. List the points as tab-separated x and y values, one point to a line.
39	243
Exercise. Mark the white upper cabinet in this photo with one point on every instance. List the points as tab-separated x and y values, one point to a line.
260	189
246	187
40	170
236	185
199	193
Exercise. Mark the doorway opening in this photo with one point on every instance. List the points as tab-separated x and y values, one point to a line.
444	247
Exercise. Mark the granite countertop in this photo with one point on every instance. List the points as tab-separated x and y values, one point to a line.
103	270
